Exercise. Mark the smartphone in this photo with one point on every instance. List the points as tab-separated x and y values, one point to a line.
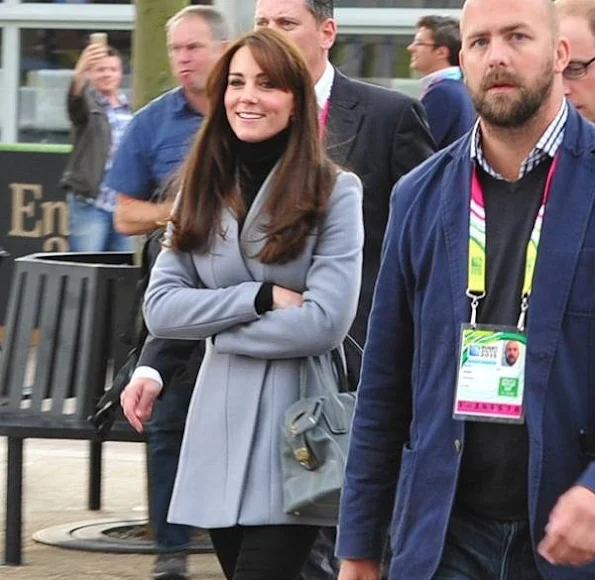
98	38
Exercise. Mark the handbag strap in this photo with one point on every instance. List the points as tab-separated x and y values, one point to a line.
340	371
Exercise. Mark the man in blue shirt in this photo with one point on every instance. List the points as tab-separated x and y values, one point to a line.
146	165
435	54
161	133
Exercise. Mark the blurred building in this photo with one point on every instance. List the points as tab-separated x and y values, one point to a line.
40	42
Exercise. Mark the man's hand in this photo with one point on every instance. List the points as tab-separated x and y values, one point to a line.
359	570
89	58
137	400
284	298
570	533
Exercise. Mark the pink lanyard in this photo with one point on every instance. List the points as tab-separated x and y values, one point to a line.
476	285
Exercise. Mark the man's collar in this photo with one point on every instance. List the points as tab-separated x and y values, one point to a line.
324	85
180	101
103	100
181	105
450	72
547	145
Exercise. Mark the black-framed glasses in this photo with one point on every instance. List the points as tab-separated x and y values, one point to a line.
577	69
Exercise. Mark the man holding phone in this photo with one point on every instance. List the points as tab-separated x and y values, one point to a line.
99	113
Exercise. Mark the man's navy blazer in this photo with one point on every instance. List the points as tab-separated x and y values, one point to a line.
404	439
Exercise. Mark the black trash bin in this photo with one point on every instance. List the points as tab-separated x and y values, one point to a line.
67	315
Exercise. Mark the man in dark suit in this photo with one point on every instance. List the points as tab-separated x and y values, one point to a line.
375	132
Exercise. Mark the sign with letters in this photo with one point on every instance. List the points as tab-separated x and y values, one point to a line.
34	211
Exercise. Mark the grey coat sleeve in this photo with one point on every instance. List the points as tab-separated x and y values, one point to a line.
331	295
176	306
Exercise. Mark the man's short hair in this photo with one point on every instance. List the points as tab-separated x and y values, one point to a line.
213	17
445	32
321	9
581	8
111	51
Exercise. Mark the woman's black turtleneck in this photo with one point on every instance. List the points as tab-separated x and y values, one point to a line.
255	162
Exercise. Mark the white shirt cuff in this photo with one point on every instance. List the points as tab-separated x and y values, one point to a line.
144	372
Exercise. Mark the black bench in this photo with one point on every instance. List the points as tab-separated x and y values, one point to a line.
66	316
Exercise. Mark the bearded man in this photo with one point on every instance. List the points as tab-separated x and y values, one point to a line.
488	469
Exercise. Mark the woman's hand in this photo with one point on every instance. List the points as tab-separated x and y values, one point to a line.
137	400
284	298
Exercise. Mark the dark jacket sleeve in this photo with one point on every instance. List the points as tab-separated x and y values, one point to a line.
412	142
167	356
78	106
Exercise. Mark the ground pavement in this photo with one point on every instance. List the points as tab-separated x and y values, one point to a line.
55	493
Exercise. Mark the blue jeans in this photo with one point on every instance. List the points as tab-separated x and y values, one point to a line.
478	549
92	228
165	432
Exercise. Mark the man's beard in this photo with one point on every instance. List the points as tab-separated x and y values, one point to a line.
505	110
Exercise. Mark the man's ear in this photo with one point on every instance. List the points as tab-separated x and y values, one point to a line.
443	52
562	55
328	32
462	62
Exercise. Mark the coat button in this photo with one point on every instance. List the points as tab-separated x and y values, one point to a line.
458	445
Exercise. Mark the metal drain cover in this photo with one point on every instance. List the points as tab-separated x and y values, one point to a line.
112	536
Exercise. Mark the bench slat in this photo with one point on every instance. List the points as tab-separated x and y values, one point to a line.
31	283
47	351
68	351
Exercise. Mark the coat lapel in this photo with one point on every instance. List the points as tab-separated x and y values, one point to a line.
253	237
567	216
345	118
211	270
454	201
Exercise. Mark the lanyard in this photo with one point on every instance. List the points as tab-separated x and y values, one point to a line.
323	117
477	247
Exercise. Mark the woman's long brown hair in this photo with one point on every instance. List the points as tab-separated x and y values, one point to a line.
303	181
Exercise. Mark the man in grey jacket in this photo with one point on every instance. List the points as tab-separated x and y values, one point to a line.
99	114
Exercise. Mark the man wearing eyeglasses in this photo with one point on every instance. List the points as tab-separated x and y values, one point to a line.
435	55
577	24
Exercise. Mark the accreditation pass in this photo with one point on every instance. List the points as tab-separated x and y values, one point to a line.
491	374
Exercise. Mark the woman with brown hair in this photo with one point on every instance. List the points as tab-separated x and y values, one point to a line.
264	263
